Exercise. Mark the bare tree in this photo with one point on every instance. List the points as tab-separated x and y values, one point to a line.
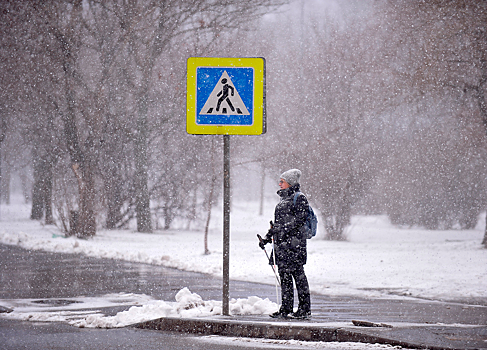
150	29
108	52
323	117
447	45
356	103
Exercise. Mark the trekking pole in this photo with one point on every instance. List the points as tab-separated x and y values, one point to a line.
273	267
268	259
274	256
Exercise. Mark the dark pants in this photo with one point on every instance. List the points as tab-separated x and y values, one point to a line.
287	290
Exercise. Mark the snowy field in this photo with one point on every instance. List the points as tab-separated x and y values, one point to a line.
378	260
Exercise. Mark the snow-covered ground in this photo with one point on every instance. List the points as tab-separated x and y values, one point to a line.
378	260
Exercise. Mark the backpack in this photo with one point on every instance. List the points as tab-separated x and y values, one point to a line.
311	224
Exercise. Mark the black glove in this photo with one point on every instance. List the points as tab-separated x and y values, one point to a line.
263	242
272	231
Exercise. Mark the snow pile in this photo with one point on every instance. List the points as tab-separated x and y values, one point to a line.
187	305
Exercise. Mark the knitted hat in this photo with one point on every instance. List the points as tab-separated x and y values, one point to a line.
291	176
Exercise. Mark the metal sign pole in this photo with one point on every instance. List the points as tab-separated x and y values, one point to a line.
211	110
226	224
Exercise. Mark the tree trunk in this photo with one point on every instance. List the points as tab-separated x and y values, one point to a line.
83	171
210	204
42	190
484	241
82	163
86	225
3	131
479	93
47	193
37	210
113	186
262	188
483	112
142	206
192	210
335	223
5	185
210	194
208	217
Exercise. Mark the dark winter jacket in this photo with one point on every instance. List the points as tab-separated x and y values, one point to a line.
287	231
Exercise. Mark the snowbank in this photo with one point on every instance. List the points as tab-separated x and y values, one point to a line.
75	311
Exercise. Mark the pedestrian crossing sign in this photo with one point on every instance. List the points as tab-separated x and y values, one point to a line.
225	96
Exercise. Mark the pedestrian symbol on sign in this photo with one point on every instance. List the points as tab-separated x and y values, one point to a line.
224	96
224	99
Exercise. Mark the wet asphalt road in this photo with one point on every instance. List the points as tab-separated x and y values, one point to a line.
16	335
36	274
39	274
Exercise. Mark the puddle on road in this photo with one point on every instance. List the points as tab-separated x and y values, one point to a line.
56	302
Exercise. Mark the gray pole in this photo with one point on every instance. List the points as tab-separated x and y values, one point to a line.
1	139
226	224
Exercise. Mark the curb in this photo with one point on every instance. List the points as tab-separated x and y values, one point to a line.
251	329
241	329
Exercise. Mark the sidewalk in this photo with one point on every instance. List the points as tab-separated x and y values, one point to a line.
410	323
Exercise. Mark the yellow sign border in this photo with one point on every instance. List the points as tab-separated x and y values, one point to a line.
258	126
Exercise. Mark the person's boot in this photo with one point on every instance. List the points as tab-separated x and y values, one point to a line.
280	314
301	315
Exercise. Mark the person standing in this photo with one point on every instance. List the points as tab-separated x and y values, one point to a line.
287	231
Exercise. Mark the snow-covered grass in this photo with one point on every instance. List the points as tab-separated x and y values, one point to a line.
377	260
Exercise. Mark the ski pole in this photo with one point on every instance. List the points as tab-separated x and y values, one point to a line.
268	259
274	256
274	266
